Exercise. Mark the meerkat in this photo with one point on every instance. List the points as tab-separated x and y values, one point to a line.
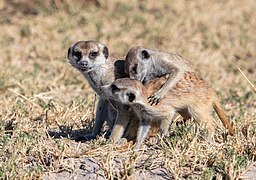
128	123
131	132
191	95
145	64
93	61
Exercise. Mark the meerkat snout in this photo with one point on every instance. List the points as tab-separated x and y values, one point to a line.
83	64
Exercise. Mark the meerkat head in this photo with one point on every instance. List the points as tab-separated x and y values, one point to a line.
124	90
87	56
137	62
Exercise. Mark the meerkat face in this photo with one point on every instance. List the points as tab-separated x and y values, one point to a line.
137	63
87	56
125	90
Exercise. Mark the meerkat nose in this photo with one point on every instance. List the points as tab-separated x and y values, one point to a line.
83	63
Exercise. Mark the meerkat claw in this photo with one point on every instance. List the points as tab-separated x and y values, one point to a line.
154	99
151	101
157	101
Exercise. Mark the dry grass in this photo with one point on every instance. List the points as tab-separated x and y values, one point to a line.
45	103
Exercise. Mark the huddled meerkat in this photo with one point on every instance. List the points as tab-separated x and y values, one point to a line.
145	64
93	61
191	94
152	86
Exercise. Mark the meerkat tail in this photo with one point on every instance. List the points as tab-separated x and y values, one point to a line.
218	109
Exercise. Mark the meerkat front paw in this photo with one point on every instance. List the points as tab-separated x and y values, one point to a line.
155	98
121	142
153	140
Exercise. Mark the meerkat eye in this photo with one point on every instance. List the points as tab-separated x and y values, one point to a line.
77	55
114	88
145	54
131	97
93	55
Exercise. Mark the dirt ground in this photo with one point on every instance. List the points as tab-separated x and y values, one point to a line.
90	168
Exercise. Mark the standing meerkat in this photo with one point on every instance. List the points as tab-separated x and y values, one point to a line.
145	64
93	61
191	94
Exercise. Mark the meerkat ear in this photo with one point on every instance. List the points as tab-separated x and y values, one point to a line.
105	52
69	51
145	54
131	96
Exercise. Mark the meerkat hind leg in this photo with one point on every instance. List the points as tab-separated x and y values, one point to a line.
203	117
122	142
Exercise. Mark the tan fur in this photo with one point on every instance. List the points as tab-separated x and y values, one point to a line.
218	109
134	123
190	95
99	71
145	64
200	98
197	93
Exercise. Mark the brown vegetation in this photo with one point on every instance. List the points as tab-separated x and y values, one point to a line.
45	103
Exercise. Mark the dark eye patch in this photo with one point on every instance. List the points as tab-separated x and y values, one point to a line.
77	55
145	54
114	88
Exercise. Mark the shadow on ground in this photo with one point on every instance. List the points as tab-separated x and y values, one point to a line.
80	135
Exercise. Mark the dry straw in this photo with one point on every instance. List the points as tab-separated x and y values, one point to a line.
251	84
